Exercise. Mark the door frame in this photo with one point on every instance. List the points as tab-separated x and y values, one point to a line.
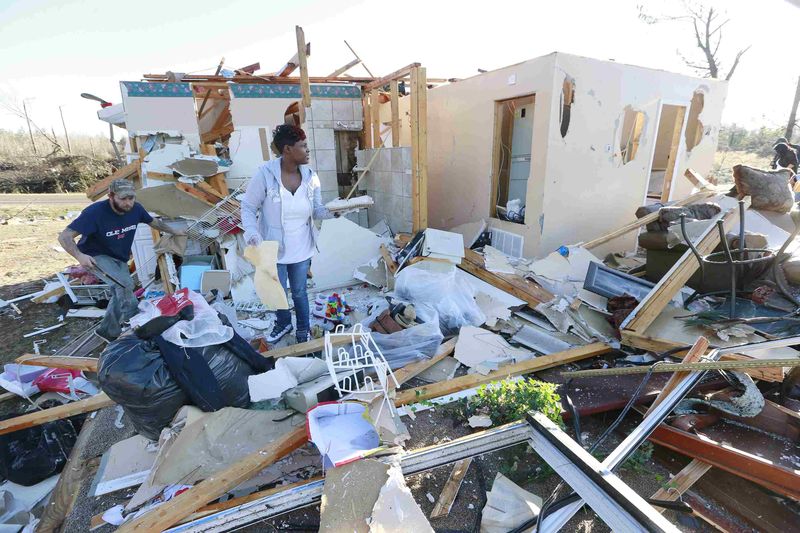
678	150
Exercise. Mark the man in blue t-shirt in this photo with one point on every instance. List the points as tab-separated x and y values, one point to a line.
107	229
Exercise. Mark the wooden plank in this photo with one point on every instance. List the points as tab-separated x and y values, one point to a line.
647	219
697	351
205	197
305	85
517	369
415	153
37	418
395	103
422	148
697	180
387	258
85	364
217	181
341	70
375	116
396	75
161	259
414	369
450	490
303	348
220	81
651	306
682	481
292	64
675	143
67	489
208	92
531	292
367	131
101	187
653	344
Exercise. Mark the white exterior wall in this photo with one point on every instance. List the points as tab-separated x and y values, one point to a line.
461	119
578	188
588	191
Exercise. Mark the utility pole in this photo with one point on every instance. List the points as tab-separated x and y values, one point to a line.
793	114
66	135
28	120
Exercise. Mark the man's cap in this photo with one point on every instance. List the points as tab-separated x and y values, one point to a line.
122	188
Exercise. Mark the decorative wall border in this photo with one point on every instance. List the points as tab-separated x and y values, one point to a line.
148	89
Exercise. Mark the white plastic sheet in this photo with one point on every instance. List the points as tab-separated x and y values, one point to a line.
205	329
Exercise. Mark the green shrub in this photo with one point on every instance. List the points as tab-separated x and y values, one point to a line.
510	400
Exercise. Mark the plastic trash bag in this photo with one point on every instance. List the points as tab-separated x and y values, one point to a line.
204	329
31	455
133	374
439	288
412	344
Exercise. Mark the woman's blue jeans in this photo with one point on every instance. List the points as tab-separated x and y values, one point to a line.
297	276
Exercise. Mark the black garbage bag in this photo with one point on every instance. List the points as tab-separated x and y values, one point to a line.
134	374
31	455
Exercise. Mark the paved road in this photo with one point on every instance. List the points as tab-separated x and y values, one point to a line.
76	198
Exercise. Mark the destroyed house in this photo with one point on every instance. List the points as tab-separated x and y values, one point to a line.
578	143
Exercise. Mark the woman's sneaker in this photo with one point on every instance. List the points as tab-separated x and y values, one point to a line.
278	332
302	337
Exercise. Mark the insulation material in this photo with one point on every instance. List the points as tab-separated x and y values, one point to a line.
343	247
264	258
508	506
539	340
159	107
395	510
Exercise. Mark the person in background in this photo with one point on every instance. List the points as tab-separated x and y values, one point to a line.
786	155
280	204
107	228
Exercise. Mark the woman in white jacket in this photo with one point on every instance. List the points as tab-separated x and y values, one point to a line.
280	204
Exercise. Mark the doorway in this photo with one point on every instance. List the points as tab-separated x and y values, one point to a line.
513	138
665	153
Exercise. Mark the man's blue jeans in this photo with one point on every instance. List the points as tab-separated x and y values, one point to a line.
123	304
297	276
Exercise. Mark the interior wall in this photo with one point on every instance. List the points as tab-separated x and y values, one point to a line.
666	127
404	110
160	107
461	118
585	172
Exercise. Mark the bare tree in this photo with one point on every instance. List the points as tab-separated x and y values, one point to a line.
707	23
12	107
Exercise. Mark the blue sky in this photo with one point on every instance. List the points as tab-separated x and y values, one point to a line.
52	50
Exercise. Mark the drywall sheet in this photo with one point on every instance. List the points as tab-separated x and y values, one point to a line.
220	439
343	247
349	494
153	107
268	287
249	149
169	201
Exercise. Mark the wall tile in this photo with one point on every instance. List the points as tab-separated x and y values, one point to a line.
358	110
342	110
324	139
325	160
328	180
385	160
396	187
406	180
397	159
322	109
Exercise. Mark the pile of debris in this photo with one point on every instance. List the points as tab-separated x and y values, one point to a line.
706	311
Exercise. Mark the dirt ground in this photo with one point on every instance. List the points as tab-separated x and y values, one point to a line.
29	227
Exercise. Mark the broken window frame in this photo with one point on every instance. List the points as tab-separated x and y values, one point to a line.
497	148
